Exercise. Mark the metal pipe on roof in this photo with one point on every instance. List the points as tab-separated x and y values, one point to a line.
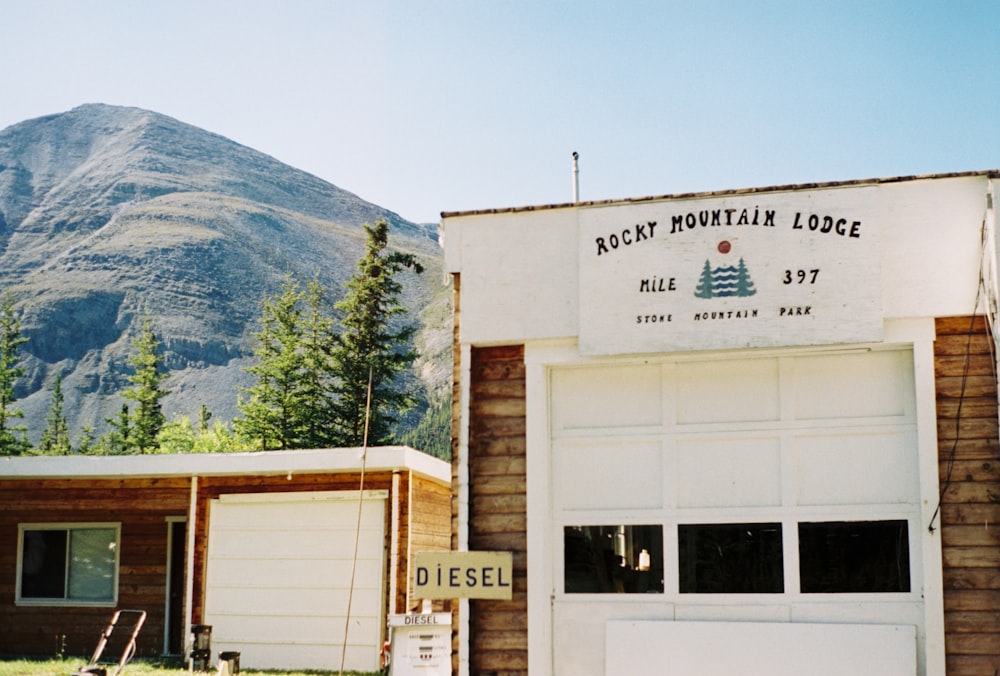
576	177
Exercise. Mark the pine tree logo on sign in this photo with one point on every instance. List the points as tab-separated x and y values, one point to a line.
725	280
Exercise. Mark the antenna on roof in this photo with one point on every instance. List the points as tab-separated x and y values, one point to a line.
576	177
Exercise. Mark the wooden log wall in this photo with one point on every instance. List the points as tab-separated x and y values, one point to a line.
142	507
429	531
969	457
498	640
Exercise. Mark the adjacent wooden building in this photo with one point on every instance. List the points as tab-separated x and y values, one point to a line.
747	431
260	546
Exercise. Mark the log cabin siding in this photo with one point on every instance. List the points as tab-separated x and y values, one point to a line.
498	636
970	483
429	531
142	507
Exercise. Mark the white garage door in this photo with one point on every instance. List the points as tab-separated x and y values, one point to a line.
771	488
279	573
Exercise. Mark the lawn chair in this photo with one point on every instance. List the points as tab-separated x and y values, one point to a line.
128	650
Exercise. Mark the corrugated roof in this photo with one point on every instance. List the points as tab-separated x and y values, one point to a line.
988	173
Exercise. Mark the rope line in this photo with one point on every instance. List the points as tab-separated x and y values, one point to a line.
357	528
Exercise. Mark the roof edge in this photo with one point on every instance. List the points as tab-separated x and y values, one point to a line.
986	173
249	463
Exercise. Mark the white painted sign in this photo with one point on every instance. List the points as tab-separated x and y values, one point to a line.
772	269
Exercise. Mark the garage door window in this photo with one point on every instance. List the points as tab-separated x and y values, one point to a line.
68	564
730	558
854	556
613	559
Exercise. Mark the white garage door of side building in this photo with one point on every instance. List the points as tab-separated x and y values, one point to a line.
279	575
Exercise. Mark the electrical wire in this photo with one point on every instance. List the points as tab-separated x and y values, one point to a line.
981	288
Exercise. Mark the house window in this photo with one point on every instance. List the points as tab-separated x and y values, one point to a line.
854	556
730	558
75	564
613	559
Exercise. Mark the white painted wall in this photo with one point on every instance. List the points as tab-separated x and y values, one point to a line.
520	270
519	274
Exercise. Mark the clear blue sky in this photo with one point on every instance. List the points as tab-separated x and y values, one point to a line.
451	105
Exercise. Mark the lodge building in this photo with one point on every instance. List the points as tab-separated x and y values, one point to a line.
745	431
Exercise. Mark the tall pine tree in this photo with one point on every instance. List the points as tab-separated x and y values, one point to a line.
272	414
146	419
370	347
318	377
10	343
55	436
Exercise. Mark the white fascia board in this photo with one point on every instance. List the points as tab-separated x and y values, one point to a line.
310	461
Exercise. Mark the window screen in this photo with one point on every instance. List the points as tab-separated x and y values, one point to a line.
613	559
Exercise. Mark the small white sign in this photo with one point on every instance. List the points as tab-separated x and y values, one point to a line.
421	643
772	269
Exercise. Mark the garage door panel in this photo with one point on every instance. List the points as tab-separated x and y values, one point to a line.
279	656
728	471
863	385
302	573
278	575
290	601
311	543
288	630
726	391
607	397
858	468
626	475
285	513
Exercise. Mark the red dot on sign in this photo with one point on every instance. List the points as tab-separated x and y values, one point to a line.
724	247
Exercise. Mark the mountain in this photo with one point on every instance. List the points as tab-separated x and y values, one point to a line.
108	213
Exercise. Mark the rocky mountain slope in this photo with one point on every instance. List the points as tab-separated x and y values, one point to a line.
107	213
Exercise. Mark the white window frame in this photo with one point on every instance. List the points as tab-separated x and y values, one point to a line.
68	527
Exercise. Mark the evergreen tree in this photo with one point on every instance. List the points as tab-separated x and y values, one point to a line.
85	442
177	436
55	436
204	415
432	435
318	378
272	413
118	439
147	391
218	439
369	352
10	342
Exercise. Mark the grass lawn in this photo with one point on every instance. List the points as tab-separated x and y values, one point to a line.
136	668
